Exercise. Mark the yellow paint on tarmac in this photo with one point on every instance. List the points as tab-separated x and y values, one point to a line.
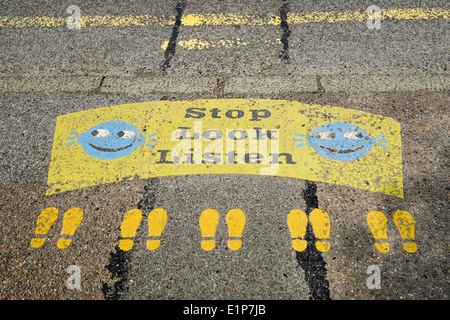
157	220
359	16
227	136
297	222
209	219
44	222
218	19
202	44
236	223
405	224
377	222
72	220
128	228
404	221
85	21
321	225
223	19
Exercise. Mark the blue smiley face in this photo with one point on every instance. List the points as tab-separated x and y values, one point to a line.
110	140
340	141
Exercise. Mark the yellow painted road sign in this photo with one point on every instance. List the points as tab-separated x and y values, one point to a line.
227	136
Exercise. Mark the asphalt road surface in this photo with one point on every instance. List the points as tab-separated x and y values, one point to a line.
387	69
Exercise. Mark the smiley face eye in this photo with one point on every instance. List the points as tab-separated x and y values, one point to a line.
353	135
100	133
325	135
126	134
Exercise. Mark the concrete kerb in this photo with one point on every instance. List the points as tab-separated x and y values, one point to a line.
55	84
239	85
386	83
142	85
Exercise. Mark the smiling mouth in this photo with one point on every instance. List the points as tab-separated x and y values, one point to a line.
109	149
341	151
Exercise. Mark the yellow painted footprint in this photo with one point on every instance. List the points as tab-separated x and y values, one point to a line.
156	222
209	219
72	220
236	224
297	222
128	228
405	224
44	223
321	225
378	225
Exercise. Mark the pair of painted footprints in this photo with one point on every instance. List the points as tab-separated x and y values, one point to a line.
297	222
209	219
157	220
47	218
378	222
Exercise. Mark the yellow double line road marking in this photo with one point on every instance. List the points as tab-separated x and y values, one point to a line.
221	19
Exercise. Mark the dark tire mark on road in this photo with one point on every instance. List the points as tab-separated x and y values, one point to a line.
170	50
311	260
119	266
286	32
119	261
